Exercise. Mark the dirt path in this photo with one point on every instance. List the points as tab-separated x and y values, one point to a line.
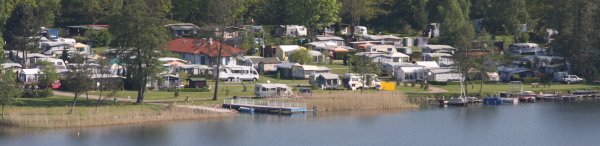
437	90
155	102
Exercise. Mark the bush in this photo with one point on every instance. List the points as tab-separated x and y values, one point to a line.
531	80
37	93
189	90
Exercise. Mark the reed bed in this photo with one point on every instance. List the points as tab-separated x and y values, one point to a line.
351	101
58	117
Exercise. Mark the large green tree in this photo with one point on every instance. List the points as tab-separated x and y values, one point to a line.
21	28
10	89
577	24
139	33
314	14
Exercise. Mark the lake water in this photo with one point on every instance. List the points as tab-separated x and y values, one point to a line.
524	124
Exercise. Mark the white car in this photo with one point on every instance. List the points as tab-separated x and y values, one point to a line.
572	79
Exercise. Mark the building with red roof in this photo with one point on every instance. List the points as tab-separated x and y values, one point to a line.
203	51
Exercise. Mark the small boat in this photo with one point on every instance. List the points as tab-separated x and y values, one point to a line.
492	100
527	96
246	110
458	101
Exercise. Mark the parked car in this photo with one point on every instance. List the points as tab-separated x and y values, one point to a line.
572	79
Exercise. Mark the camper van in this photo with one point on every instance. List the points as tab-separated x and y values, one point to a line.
360	30
355	81
237	73
272	90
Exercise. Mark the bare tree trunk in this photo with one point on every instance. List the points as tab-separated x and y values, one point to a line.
99	99
219	64
3	111
74	102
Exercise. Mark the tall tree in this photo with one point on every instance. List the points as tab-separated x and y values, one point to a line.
314	14
10	89
139	33
576	22
364	67
21	28
78	81
223	15
356	11
301	56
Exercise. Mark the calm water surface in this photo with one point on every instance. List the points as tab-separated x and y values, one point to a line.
525	124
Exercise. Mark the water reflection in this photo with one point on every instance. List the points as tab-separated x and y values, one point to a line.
524	124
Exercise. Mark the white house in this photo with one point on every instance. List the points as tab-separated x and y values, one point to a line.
304	71
382	49
390	68
443	75
338	41
204	51
443	59
428	64
409	73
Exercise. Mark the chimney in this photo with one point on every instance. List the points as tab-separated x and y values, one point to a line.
210	41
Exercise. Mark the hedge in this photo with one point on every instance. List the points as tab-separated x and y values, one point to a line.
37	93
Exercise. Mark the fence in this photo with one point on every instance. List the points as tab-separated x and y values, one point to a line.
265	103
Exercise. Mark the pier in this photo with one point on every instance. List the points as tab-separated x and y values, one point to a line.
266	106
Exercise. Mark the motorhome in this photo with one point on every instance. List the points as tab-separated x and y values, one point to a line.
272	90
237	73
355	81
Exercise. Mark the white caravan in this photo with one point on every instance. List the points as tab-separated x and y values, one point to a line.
272	90
237	73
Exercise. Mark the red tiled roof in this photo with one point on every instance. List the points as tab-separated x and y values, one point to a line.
201	46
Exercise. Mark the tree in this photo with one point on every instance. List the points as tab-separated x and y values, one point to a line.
10	89
50	74
21	27
577	41
1	48
364	67
314	14
78	81
223	14
106	81
141	37
301	56
99	38
455	24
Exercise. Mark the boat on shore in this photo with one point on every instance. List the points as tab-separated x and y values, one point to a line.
527	96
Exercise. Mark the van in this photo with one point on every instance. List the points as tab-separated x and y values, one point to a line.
272	90
237	73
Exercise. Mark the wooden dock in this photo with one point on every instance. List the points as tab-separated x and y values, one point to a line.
266	106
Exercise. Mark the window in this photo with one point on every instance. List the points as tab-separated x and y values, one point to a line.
257	89
265	89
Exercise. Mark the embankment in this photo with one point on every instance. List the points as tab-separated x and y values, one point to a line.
58	117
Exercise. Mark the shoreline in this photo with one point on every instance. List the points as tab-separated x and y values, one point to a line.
83	117
126	114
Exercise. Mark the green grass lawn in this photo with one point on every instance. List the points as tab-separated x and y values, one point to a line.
495	88
57	101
